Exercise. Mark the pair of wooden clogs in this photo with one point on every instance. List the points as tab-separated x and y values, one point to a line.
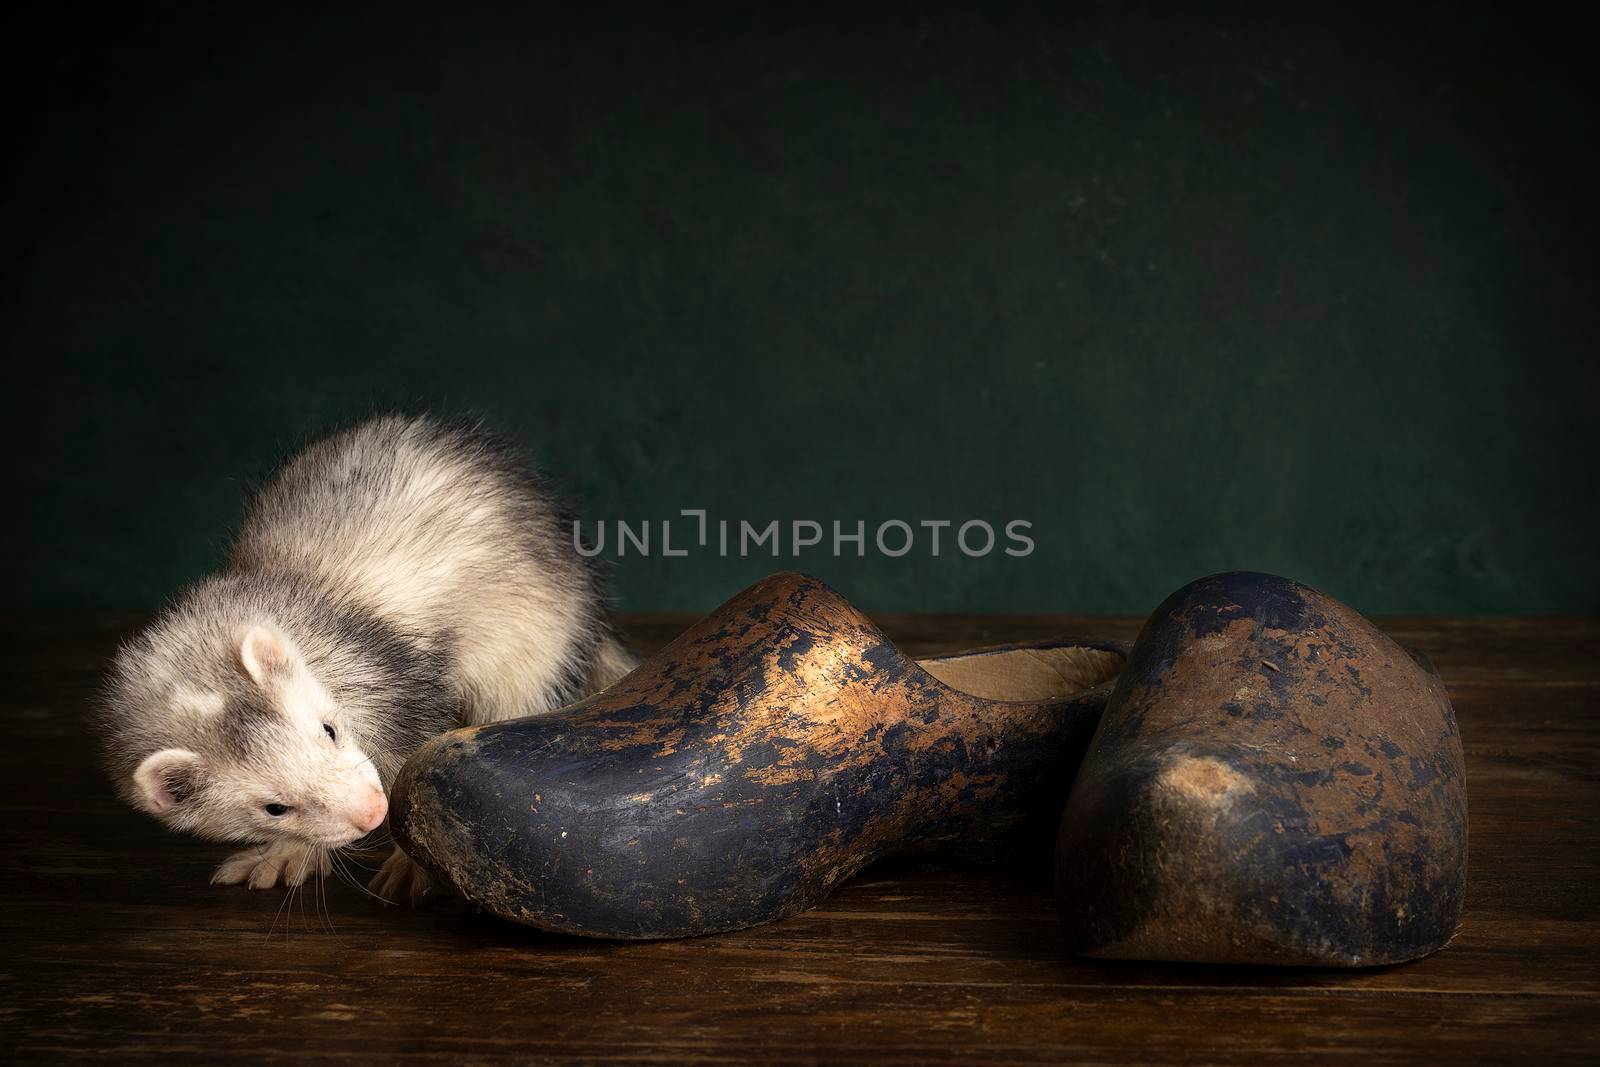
1264	777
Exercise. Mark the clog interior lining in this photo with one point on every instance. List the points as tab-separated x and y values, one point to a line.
1026	673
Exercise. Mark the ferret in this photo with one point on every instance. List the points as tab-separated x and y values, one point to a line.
391	582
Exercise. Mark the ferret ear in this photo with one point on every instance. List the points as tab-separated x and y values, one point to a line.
265	654
167	778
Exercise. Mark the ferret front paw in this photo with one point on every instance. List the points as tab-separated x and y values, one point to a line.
401	881
289	862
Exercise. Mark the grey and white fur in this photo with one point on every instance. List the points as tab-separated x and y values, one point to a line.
396	580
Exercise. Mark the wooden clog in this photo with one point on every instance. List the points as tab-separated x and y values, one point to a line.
1274	781
764	756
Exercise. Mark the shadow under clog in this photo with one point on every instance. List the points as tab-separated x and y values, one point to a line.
1274	781
738	776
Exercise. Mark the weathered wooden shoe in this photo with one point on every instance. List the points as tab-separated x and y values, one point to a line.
1274	781
768	753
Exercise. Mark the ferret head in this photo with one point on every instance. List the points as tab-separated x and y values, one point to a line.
224	730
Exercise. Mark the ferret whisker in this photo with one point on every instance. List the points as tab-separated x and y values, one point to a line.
273	928
368	892
322	897
376	840
339	871
359	884
319	903
350	880
296	890
352	860
382	753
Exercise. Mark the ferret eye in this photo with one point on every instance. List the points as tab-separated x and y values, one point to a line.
327	728
276	810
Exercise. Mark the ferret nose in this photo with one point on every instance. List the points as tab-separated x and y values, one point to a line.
368	816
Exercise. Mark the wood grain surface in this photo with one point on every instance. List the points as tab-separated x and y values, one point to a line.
112	943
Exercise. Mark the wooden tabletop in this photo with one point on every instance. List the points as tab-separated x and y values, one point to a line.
114	943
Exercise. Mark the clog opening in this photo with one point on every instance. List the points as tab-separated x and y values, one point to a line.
1026	673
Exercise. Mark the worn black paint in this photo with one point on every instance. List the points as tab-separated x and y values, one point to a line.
1274	781
765	755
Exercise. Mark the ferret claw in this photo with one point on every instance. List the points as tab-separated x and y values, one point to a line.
290	863
401	881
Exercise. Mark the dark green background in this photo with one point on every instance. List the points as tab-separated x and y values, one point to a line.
1314	296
